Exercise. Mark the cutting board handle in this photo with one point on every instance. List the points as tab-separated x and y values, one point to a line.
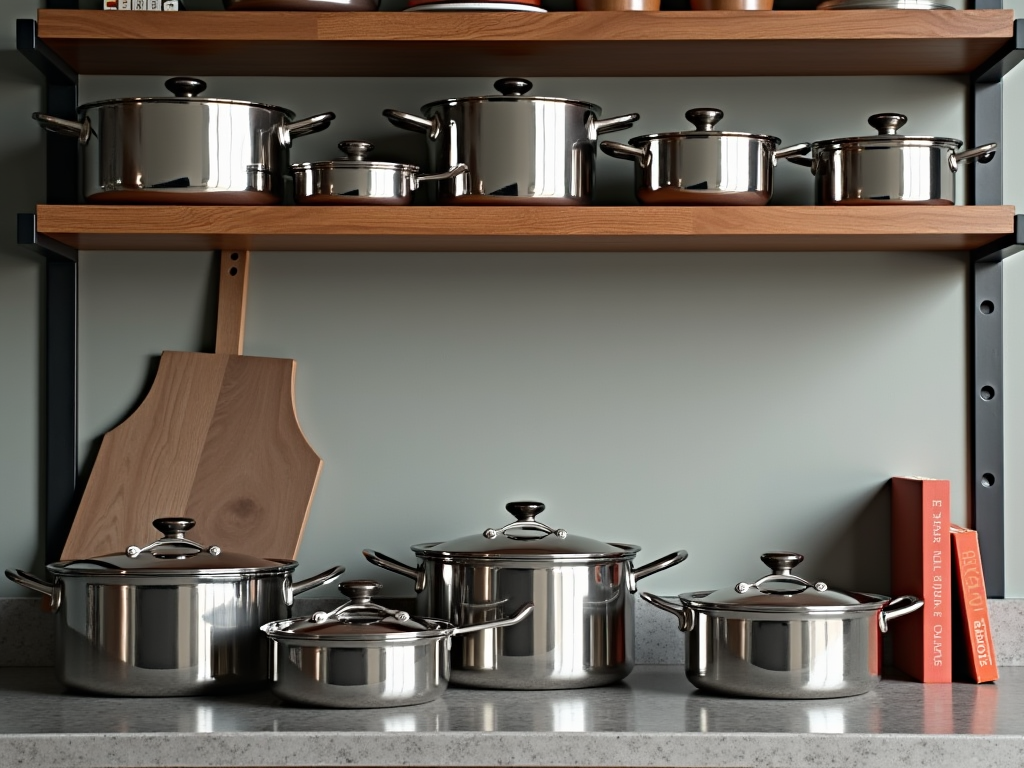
232	291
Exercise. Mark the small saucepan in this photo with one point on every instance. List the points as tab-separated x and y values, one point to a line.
363	655
782	637
704	166
354	180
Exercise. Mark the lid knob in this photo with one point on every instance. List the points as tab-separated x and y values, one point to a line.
704	118
174	527
525	511
360	590
887	123
512	86
781	563
185	87
355	150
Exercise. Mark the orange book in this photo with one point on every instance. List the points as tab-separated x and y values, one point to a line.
920	564
975	653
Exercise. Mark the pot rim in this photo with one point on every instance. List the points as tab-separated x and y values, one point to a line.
338	165
872	602
891	141
278	630
454	102
62	568
629	551
760	137
183	100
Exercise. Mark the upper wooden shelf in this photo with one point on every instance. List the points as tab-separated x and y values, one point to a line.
518	228
666	43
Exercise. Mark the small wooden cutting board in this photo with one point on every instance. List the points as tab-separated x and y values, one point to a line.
216	439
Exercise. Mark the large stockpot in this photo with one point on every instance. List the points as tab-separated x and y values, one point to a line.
704	166
354	180
172	618
184	149
365	655
782	637
888	169
518	149
581	633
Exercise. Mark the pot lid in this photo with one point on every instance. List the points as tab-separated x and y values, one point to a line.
888	124
355	152
171	555
512	89
781	590
358	619
526	538
704	120
185	89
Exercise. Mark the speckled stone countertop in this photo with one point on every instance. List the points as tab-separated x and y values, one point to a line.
654	718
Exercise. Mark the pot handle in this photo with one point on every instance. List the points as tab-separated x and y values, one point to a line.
413	123
681	612
331	574
620	123
624	151
982	154
52	591
658	565
905	604
806	162
389	564
305	127
79	131
515	618
455	170
792	152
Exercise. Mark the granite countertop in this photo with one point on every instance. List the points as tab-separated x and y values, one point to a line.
654	718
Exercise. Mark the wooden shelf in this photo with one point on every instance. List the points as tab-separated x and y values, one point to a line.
668	43
517	228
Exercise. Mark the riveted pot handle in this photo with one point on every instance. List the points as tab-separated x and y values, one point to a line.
455	170
806	162
623	151
982	154
305	127
515	618
78	131
790	153
620	123
413	123
660	564
52	591
681	612
390	564
331	574
903	605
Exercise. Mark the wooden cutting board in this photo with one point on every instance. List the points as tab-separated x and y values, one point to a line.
215	439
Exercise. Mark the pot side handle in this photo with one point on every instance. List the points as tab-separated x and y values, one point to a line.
685	615
806	162
389	564
413	123
643	571
455	170
904	604
331	574
790	153
80	131
25	579
515	618
982	154
305	127
620	123
624	151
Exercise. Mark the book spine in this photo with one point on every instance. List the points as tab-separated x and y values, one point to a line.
939	583
980	650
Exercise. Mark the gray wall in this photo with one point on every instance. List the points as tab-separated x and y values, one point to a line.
723	403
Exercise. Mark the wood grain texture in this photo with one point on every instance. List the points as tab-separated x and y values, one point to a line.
665	43
232	294
519	228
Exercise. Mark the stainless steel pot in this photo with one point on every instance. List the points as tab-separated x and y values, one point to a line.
365	655
184	149
172	618
581	633
783	637
888	169
354	180
704	166
519	150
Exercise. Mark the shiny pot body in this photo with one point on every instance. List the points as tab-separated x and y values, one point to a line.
358	674
185	150
518	150
581	631
166	635
366	183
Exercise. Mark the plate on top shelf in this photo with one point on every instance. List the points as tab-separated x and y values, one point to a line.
486	6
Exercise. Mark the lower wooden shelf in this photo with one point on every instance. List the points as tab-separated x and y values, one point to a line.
520	228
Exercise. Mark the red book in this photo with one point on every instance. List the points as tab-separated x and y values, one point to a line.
920	565
976	654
